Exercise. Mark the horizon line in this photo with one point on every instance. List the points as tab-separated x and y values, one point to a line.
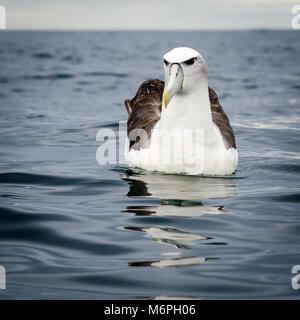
145	30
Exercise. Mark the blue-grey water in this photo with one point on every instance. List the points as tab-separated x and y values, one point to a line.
70	228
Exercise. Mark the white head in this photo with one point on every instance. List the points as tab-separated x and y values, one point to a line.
185	71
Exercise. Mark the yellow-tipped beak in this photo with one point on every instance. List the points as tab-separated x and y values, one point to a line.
174	84
166	98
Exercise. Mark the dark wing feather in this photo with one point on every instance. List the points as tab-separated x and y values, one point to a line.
144	111
220	118
145	108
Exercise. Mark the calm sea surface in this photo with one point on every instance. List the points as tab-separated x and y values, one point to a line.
70	228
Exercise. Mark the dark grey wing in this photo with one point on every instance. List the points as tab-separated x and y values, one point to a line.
144	112
145	108
220	119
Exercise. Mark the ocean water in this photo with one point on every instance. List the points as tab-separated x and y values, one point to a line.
72	229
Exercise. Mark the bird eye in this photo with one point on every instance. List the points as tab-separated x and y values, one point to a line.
190	61
166	62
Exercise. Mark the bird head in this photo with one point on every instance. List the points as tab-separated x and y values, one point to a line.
184	69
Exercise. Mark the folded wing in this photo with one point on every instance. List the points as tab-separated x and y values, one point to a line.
145	108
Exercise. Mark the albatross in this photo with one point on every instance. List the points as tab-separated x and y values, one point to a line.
178	126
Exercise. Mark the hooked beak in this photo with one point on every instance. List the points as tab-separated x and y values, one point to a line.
175	83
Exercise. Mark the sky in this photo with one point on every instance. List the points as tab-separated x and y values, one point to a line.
148	14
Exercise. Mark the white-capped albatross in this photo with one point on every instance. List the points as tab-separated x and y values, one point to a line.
189	113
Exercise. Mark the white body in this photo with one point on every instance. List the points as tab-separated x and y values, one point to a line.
217	160
188	113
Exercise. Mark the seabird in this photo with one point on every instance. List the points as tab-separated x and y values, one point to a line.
188	111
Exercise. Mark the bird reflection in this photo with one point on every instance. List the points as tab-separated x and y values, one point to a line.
173	298
172	236
180	196
173	262
167	209
179	187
